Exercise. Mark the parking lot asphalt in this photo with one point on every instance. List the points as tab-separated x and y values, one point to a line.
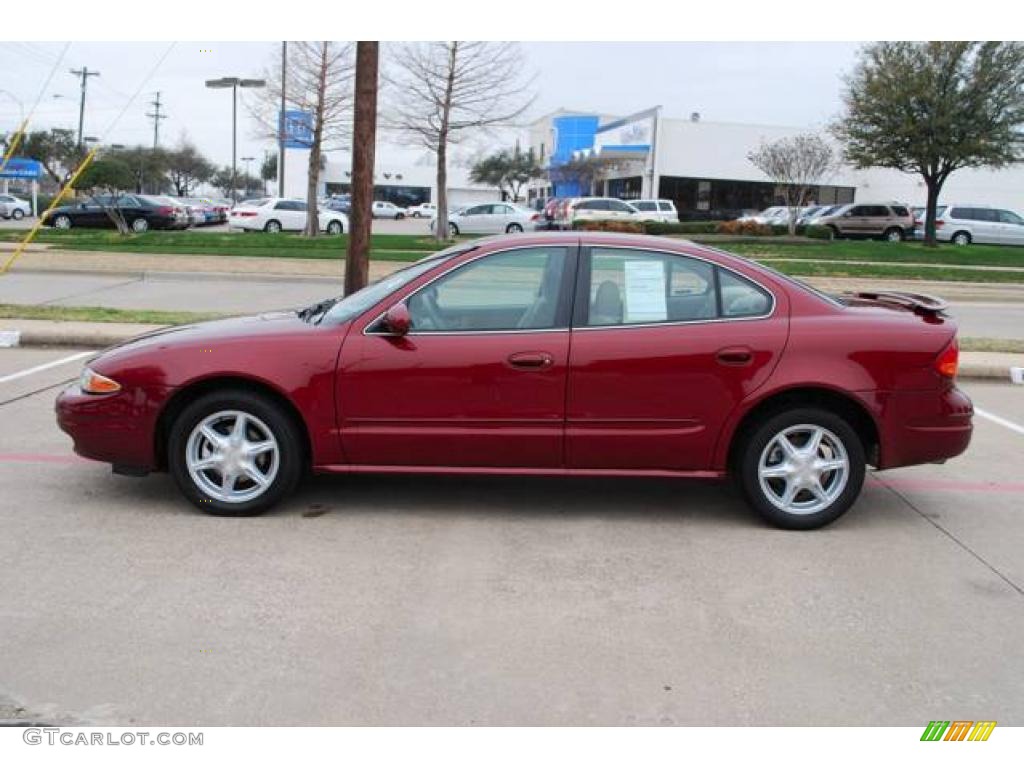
434	601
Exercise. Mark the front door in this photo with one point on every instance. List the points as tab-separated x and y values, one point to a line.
480	379
664	347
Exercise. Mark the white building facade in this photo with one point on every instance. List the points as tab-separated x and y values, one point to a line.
703	166
402	175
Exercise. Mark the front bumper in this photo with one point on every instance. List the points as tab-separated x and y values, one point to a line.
118	428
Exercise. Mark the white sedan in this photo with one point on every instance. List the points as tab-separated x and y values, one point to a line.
490	218
12	207
275	214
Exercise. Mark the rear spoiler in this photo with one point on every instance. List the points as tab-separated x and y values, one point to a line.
921	303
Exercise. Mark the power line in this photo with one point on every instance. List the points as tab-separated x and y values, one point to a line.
84	74
157	117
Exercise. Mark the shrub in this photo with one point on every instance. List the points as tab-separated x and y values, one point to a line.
751	228
680	227
608	225
818	232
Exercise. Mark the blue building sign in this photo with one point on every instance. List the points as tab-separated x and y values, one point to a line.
297	129
21	168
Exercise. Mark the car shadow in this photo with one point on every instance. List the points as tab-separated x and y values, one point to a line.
481	496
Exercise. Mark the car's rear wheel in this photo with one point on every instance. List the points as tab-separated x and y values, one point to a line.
17	214
140	225
335	227
399	216
962	238
802	468
234	453
62	222
273	226
513	228
893	234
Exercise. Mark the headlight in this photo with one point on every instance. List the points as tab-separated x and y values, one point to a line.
92	383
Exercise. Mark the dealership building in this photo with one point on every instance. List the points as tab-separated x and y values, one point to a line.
702	166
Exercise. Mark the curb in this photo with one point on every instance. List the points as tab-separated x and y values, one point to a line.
99	338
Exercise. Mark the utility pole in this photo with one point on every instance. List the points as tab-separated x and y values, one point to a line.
157	116
84	74
364	139
280	120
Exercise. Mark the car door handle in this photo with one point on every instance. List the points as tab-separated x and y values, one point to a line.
531	360
734	356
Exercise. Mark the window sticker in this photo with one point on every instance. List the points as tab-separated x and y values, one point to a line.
645	291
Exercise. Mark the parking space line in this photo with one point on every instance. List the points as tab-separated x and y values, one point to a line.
45	366
1000	421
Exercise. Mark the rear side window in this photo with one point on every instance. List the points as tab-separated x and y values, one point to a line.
665	206
1009	217
631	287
643	206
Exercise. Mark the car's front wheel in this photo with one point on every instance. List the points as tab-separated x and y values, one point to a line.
234	453
893	234
802	468
335	228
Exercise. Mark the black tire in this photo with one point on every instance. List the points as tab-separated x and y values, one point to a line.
140	225
63	221
513	228
399	216
893	235
835	231
272	227
961	238
17	214
285	431
335	228
453	230
757	441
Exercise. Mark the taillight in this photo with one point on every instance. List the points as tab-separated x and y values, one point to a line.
939	223
164	211
535	217
948	361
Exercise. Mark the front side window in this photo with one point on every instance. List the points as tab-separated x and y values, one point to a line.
477	210
1009	217
511	290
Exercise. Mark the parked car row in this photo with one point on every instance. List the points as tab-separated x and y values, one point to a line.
963	224
140	212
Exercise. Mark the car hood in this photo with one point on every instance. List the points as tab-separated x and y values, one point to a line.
250	327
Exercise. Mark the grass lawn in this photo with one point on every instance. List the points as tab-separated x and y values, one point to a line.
101	315
884	252
383	247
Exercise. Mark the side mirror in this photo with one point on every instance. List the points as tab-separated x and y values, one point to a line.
397	320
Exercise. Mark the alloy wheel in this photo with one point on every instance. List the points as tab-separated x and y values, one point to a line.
803	469
232	456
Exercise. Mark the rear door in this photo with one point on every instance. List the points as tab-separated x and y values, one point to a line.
664	346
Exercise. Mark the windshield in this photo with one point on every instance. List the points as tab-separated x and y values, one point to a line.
362	300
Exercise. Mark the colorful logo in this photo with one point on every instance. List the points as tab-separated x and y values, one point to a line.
958	730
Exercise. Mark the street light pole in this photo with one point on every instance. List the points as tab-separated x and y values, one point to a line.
234	83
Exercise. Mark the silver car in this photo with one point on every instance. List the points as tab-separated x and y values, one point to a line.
490	219
12	207
966	223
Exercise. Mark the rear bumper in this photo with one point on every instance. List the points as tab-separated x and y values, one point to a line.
923	427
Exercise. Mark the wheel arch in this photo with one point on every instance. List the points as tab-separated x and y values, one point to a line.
854	411
194	389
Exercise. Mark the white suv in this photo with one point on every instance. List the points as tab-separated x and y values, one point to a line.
656	210
963	224
595	209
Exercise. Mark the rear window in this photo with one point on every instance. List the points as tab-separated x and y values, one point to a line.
665	206
900	210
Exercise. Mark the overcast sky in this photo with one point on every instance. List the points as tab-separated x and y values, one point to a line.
773	83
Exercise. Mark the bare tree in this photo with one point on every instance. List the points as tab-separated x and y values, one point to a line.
796	163
319	83
442	90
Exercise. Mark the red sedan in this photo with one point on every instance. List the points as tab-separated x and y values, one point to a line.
546	354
